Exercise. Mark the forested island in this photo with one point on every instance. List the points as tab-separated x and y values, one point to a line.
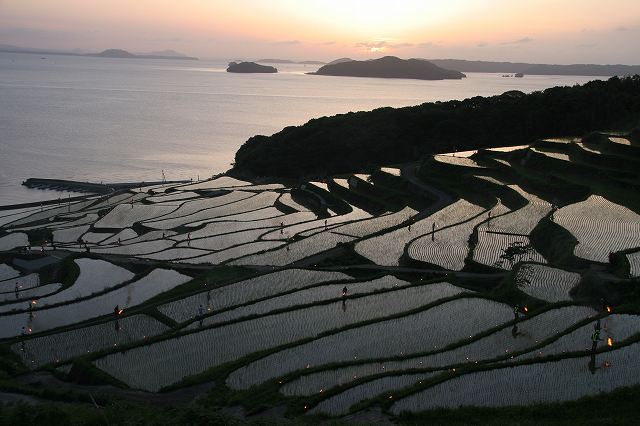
353	141
108	53
250	67
537	69
390	67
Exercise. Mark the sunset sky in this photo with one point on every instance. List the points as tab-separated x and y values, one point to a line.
552	31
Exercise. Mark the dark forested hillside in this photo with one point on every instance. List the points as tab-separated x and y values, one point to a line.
347	142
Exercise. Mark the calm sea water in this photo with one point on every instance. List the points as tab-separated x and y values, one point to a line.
98	119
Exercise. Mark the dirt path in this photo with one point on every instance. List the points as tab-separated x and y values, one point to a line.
409	172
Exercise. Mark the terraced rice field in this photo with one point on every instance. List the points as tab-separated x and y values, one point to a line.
621	141
250	290
69	235
392	171
387	338
49	213
125	215
491	247
509	148
546	283
289	202
295	251
195	352
316	226
173	197
387	249
600	226
528	333
618	327
458	160
13	240
449	247
255	202
370	226
137	292
241	251
557	155
59	347
521	221
175	259
301	297
23	282
190	207
7	272
634	264
33	293
339	405
529	384
95	276
221	182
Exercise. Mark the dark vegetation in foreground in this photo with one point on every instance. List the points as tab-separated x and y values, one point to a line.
362	140
619	407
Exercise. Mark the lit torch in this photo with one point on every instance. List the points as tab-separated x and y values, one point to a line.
526	309
120	311
608	309
609	341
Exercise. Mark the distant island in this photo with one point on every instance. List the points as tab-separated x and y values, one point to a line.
108	53
591	70
250	67
390	67
288	61
340	60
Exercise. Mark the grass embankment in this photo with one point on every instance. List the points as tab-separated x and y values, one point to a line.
556	244
355	198
619	407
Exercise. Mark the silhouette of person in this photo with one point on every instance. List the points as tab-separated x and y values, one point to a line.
514	331
592	364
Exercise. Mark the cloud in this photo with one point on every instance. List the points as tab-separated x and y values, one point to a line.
372	44
30	34
328	43
587	45
519	41
381	45
427	44
620	29
482	44
400	45
285	42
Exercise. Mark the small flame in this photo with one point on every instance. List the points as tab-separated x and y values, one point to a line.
609	341
34	302
526	309
120	311
609	309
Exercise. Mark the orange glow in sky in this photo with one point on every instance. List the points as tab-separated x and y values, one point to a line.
536	31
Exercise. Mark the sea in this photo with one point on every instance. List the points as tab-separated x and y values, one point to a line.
123	120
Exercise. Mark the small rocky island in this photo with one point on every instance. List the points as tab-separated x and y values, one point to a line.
250	67
390	67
